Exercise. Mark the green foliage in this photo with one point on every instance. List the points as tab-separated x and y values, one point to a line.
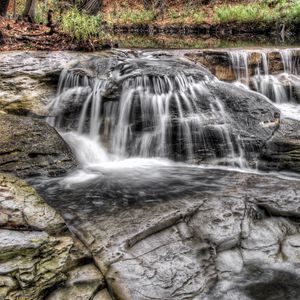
252	12
262	11
292	13
80	26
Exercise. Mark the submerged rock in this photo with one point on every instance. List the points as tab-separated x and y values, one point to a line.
32	147
219	62
163	106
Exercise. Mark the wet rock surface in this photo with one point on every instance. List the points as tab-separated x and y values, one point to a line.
282	150
32	147
203	242
37	252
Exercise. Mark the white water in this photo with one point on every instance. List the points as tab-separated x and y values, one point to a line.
281	88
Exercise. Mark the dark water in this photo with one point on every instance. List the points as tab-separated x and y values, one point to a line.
107	190
161	41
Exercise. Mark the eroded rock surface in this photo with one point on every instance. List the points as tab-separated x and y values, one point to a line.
37	252
32	147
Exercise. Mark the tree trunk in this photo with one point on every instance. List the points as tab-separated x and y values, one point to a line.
3	7
91	7
29	11
15	8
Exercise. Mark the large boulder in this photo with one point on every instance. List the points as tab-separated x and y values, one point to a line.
32	147
282	150
38	255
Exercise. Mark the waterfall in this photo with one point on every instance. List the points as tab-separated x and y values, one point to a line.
280	87
172	116
239	62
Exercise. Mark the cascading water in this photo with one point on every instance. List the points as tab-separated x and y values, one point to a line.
276	87
283	88
239	61
171	116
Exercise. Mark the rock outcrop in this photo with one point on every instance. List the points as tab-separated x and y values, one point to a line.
38	255
28	80
30	146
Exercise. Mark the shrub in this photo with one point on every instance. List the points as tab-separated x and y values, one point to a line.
252	12
80	26
292	13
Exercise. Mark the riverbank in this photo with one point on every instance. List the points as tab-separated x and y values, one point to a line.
25	37
173	26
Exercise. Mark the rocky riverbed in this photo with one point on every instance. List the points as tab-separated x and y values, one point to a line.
141	228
